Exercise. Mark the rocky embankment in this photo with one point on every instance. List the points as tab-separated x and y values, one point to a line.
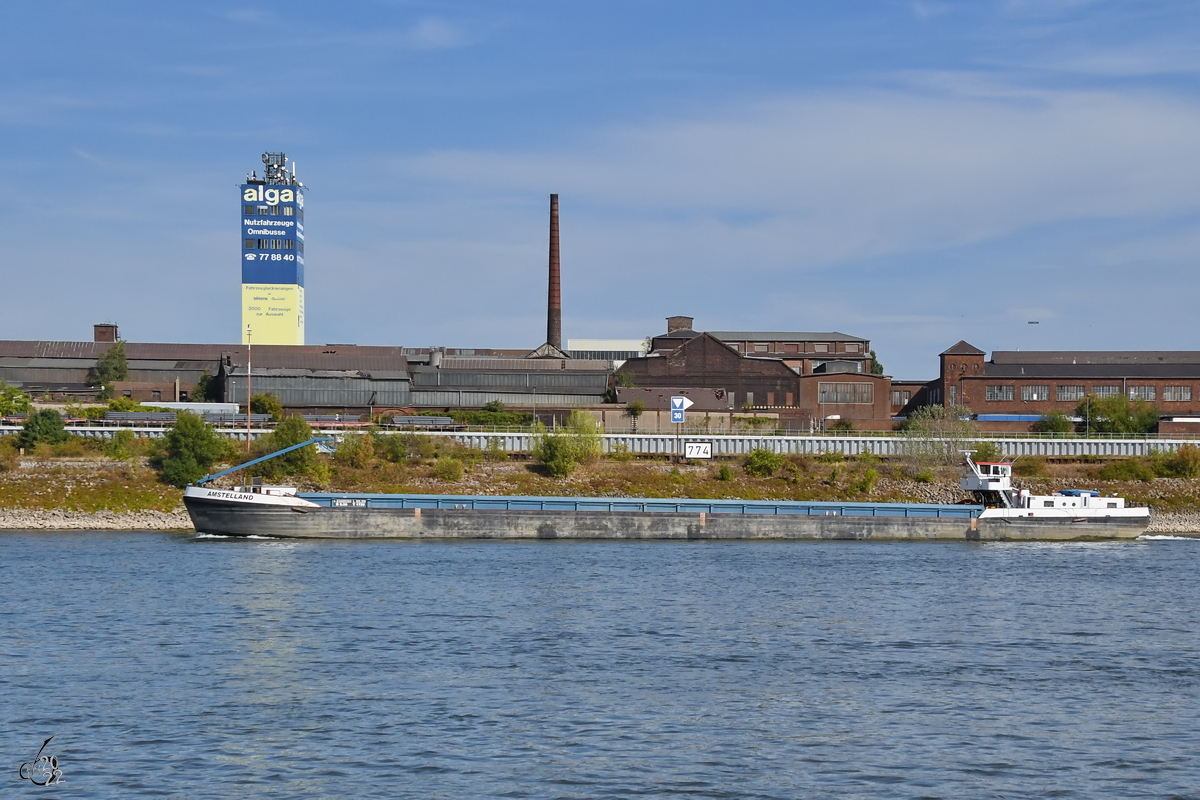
34	519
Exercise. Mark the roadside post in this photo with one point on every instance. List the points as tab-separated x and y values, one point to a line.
679	407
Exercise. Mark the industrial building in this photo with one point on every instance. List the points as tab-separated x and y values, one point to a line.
1017	387
805	378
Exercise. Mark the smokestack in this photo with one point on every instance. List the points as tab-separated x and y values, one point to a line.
554	306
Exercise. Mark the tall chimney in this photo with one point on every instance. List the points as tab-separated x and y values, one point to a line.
554	306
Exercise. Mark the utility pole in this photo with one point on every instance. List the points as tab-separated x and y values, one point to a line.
249	370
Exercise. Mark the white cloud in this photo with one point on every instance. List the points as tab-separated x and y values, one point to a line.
819	180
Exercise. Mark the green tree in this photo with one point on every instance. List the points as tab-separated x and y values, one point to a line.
494	406
207	389
43	426
1054	422
876	367
1117	414
189	450
112	366
13	401
267	404
302	462
634	411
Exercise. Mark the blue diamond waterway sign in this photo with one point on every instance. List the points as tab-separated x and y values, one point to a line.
678	406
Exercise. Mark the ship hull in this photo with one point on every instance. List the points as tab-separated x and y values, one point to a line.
216	516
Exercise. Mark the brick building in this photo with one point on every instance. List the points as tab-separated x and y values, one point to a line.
1035	383
774	381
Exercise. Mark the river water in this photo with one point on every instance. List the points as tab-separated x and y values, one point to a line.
171	666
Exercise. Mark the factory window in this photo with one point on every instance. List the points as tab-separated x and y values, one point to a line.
1106	391
273	211
998	393
249	244
759	347
156	394
770	399
846	393
248	209
262	211
1065	393
289	244
300	247
791	399
289	211
1177	394
300	214
1142	393
749	398
262	244
853	347
276	244
900	398
820	348
1035	393
791	347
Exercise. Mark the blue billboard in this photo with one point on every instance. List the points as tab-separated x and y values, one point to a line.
272	234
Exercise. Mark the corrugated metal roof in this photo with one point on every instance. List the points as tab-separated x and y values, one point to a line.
525	364
1075	357
448	398
1091	371
780	336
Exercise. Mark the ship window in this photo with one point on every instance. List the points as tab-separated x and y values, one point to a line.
1048	504
1177	394
999	393
1112	505
249	244
1065	393
289	211
1142	393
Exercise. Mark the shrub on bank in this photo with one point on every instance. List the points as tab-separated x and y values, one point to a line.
43	427
762	463
188	451
448	468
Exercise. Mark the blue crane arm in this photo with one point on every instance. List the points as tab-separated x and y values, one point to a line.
214	476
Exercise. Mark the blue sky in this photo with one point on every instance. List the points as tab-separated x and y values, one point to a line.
911	172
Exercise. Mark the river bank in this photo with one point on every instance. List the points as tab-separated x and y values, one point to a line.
97	494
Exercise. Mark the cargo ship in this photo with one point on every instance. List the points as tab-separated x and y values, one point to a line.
1001	513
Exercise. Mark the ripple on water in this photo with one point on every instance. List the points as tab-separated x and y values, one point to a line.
619	669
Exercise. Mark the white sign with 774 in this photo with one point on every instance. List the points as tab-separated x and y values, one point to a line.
697	449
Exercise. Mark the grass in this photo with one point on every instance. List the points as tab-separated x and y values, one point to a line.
102	485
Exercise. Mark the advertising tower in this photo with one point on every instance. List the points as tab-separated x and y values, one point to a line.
272	211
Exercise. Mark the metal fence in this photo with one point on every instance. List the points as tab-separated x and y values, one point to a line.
522	441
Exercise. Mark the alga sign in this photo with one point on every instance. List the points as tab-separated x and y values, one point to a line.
272	258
